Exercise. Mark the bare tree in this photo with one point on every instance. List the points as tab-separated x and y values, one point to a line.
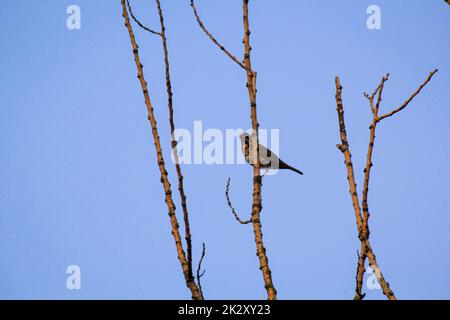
362	219
257	180
186	262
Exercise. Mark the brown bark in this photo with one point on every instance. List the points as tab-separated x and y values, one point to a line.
161	164
363	222
257	179
188	236
366	248
345	148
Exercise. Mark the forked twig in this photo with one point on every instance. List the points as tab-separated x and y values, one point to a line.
363	221
365	245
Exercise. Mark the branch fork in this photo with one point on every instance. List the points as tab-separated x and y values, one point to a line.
362	218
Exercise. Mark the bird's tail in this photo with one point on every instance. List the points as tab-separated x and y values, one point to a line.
284	165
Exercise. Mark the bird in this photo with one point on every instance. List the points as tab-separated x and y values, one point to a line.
267	159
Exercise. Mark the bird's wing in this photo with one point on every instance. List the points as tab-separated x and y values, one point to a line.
267	158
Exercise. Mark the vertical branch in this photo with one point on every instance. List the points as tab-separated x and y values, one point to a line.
360	270
369	164
161	164
257	181
366	249
363	221
188	236
345	149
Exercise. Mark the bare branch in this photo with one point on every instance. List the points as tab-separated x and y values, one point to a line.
360	275
200	23
227	189
257	180
362	223
378	89
369	164
139	23
344	147
200	274
380	278
161	164
365	245
432	73
188	236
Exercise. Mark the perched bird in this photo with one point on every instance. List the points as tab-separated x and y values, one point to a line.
267	159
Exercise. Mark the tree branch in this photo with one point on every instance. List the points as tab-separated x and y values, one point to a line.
199	273
366	249
221	47
161	165
432	73
345	149
188	236
257	181
369	163
380	278
360	269
366	232
139	23
227	189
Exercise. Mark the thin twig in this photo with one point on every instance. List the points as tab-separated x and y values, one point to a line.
139	23
227	189
200	275
188	236
213	39
160	160
432	73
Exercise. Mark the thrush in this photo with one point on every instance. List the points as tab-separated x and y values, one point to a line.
267	159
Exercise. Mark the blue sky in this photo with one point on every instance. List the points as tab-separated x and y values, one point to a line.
78	168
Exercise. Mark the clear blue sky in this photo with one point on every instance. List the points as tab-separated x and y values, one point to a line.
79	182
